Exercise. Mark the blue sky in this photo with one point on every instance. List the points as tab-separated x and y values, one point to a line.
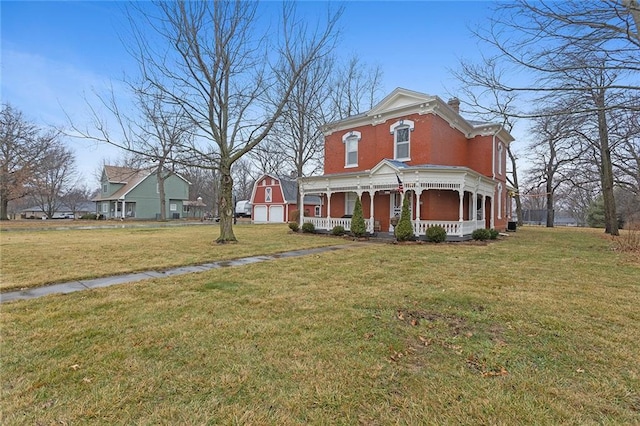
54	54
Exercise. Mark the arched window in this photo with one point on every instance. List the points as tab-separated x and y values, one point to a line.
401	131
500	155
351	141
500	201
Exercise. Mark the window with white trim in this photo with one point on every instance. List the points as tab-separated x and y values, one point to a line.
105	188
173	207
500	154
500	201
105	207
318	211
401	131
267	194
351	141
350	202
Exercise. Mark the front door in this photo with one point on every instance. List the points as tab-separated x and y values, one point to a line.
395	207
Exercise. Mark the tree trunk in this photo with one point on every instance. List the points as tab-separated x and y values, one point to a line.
4	207
226	207
163	196
550	207
514	175
606	168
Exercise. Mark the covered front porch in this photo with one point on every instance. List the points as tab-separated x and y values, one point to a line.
455	198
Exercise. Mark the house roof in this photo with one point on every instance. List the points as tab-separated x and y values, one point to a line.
123	175
80	207
129	177
289	190
401	102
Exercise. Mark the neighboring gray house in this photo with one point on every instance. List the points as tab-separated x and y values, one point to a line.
134	193
63	212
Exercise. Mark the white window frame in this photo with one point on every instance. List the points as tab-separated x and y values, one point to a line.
105	207
395	127
105	188
173	207
318	211
267	194
500	155
348	138
500	201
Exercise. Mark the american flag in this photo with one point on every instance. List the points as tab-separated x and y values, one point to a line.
400	186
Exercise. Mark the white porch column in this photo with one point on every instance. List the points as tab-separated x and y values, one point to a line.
371	219
461	211
328	205
301	206
418	196
474	209
122	211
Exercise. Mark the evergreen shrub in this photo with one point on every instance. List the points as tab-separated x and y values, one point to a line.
308	228
436	234
358	227
481	234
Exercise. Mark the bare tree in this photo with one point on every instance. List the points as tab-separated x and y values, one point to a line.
74	197
490	104
244	176
22	147
53	177
152	132
355	88
554	151
568	48
215	64
204	184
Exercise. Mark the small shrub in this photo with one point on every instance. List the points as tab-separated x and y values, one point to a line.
89	216
436	234
493	234
308	227
404	229
481	234
294	226
338	230
358	227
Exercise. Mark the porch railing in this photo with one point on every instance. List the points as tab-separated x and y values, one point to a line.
453	228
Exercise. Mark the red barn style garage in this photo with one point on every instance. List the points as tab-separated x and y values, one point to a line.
274	200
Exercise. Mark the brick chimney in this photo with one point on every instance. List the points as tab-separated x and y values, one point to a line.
454	103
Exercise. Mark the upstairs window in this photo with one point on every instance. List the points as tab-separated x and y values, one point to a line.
401	131
267	195
500	156
351	141
105	188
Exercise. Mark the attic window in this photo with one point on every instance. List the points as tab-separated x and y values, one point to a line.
267	195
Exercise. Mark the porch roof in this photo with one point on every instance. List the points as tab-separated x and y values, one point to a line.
383	177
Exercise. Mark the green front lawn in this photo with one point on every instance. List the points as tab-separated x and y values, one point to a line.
540	328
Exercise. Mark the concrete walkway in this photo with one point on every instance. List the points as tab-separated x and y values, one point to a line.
73	286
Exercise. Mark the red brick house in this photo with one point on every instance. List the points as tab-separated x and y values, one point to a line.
453	170
274	200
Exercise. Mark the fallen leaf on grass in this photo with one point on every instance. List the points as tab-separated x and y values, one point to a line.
86	380
75	367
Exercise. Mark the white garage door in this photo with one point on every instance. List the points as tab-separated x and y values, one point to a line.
259	213
276	214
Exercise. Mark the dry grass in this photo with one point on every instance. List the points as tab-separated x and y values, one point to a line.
38	257
541	328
